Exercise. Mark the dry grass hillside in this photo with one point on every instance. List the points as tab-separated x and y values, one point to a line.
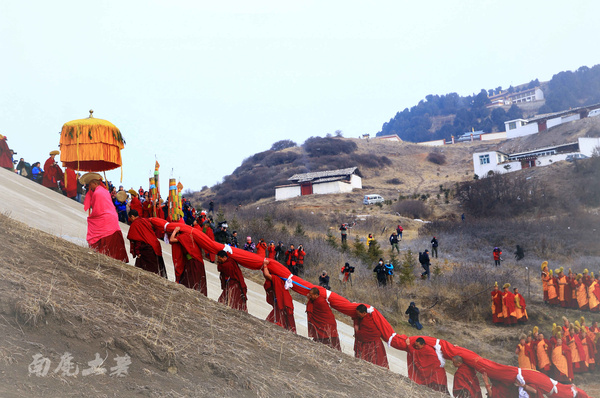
58	299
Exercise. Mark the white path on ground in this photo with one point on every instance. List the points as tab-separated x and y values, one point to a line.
41	208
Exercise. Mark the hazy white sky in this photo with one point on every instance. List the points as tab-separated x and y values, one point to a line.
203	85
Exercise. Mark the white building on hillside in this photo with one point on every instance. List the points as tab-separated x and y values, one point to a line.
499	162
320	182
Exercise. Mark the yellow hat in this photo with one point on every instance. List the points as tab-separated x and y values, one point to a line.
585	271
577	324
522	336
579	276
495	283
1	137
559	335
535	329
565	318
132	191
544	265
577	329
582	320
506	285
89	177
121	196
562	269
557	270
550	272
54	152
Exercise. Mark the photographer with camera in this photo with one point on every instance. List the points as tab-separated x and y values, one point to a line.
301	255
346	273
324	280
382	273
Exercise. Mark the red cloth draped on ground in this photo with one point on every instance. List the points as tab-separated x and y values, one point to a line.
71	183
5	155
233	285
322	326
504	373
136	205
466	379
191	273
367	342
283	305
209	232
509	311
112	245
427	369
497	306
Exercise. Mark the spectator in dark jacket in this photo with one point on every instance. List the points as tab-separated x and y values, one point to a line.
413	316
394	241
434	247
425	263
382	273
324	280
222	235
280	253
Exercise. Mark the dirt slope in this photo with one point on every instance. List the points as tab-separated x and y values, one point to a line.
60	298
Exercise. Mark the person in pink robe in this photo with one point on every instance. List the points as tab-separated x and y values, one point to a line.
104	233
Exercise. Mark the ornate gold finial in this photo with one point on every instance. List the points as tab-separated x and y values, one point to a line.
91	114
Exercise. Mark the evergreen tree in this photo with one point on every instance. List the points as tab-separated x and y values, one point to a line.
406	273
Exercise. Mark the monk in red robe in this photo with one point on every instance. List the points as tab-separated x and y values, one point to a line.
562	283
232	282
553	288
367	338
594	294
281	300
322	326
52	172
188	262
104	232
206	228
271	250
497	305
135	203
466	383
523	356
6	155
562	365
427	368
147	206
545	280
509	310
70	183
520	307
144	246
582	293
542	357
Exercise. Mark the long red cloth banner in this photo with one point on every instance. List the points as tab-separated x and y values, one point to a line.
503	373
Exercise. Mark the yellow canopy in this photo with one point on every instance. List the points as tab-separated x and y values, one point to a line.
91	145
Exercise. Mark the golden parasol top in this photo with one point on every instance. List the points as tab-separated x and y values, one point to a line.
91	145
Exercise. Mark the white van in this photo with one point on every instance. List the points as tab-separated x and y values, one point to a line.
372	199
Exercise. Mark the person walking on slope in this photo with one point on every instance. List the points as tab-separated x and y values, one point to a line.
425	263
104	232
394	242
434	247
497	253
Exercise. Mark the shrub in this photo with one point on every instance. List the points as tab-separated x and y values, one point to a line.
283	144
317	146
437	158
413	209
394	181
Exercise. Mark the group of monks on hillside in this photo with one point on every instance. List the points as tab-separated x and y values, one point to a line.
425	363
105	236
573	348
580	291
508	308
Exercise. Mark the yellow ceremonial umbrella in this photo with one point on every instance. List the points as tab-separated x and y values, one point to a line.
91	145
